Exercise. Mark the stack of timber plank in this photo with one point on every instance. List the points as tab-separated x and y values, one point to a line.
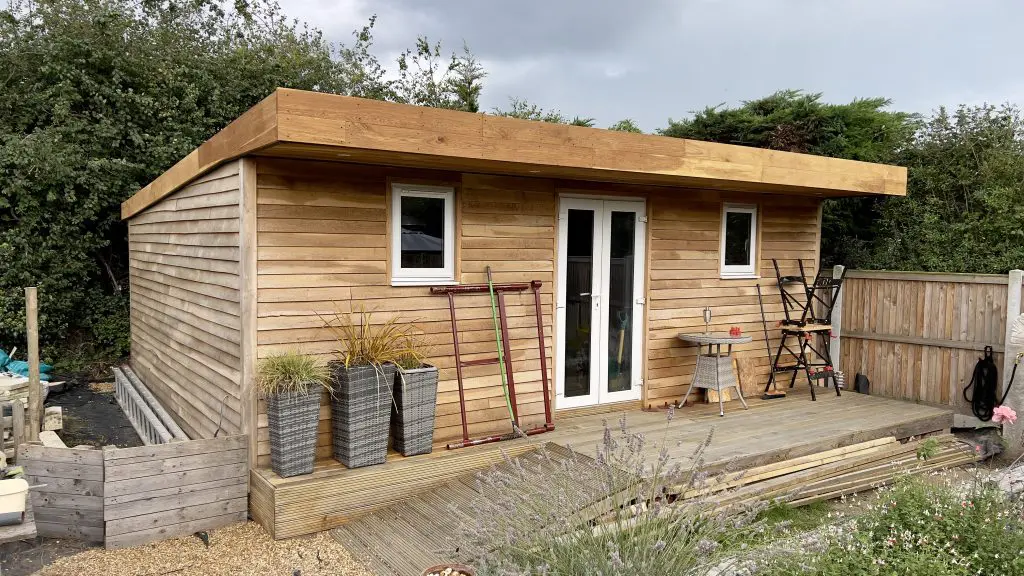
835	473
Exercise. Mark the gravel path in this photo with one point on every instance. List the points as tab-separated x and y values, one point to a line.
241	550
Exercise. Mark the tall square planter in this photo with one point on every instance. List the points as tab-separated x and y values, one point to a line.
292	420
361	413
412	414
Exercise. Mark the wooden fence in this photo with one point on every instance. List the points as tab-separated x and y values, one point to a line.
70	505
917	336
131	496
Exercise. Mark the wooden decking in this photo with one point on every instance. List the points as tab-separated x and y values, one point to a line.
770	431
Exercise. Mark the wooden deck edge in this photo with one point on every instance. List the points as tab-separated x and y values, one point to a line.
348	500
261	501
918	427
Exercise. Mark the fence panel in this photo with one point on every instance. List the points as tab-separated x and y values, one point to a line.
917	336
166	490
70	505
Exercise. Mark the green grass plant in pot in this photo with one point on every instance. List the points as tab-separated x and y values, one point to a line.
412	413
292	384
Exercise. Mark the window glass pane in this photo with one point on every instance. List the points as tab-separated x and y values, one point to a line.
737	238
620	301
422	232
578	301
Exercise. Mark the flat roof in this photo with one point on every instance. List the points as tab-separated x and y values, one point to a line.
300	124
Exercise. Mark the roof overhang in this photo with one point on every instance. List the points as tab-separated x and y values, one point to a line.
300	124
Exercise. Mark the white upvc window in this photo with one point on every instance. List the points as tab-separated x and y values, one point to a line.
422	235
738	251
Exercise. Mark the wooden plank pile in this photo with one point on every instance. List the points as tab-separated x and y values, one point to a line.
835	473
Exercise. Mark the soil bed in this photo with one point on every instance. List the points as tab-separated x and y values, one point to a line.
92	416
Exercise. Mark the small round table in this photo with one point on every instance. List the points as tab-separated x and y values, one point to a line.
714	370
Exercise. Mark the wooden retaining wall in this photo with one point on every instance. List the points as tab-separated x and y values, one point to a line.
131	496
162	491
918	336
71	503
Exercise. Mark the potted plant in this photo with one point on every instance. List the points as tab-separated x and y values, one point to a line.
362	380
292	384
412	413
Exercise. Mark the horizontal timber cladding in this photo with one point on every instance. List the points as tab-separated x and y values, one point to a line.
322	248
683	278
185	302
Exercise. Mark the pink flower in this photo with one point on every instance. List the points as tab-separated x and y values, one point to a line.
1004	414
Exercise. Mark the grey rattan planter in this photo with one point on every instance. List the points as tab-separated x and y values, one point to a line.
292	420
412	414
361	413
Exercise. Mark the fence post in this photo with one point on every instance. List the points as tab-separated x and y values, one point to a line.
835	344
1015	397
35	404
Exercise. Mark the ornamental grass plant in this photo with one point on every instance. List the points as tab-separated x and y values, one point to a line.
291	373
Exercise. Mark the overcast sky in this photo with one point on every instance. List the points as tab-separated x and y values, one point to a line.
654	59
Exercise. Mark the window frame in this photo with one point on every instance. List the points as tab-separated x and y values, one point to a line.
738	270
422	276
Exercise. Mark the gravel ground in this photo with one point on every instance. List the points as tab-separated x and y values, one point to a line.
240	550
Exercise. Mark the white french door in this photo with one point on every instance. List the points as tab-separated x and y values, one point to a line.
600	301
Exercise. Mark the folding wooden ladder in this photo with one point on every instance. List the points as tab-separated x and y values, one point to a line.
807	327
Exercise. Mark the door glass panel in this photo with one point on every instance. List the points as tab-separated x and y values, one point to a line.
620	301
578	303
737	238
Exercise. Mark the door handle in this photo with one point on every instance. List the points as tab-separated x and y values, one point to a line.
584	293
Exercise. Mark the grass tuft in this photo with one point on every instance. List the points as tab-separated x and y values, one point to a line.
291	373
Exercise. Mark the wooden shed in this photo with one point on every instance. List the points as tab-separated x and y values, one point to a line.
312	203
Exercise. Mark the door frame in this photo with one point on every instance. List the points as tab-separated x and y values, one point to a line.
603	206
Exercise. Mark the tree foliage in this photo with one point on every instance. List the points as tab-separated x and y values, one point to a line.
965	192
964	209
795	121
526	110
626	125
101	96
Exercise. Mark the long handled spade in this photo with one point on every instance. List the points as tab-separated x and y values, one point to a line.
501	354
774	393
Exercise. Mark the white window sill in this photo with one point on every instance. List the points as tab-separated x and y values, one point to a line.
740	276
423	282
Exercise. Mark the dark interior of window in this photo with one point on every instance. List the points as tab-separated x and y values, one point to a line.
737	238
422	232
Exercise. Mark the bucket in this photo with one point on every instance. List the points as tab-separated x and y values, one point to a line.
12	500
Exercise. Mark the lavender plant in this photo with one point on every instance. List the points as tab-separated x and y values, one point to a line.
560	512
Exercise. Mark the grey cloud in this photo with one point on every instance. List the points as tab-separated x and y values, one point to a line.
655	59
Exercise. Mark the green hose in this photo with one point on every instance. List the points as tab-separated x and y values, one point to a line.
501	350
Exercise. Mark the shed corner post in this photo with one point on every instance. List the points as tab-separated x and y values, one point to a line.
248	296
835	345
